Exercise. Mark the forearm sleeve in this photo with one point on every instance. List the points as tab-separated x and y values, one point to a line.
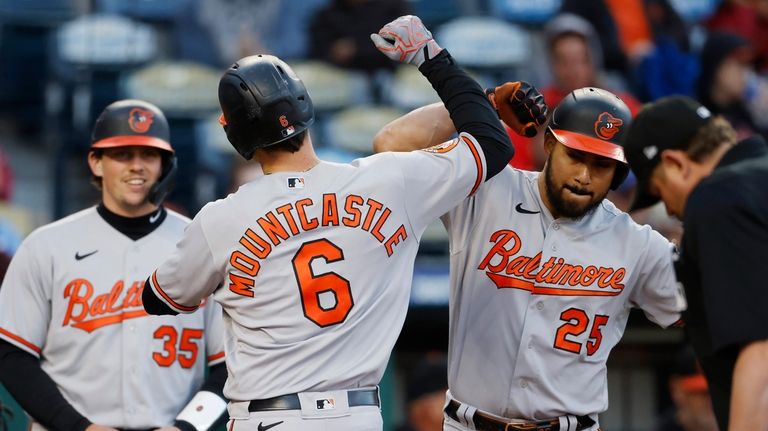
36	392
470	109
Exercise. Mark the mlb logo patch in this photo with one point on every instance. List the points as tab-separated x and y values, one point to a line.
288	131
296	183
326	404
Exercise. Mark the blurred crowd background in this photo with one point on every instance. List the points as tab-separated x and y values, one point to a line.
63	61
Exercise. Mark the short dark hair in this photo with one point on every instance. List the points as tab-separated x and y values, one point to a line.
710	137
290	145
96	181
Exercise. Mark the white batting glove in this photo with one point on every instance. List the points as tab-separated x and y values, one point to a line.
406	40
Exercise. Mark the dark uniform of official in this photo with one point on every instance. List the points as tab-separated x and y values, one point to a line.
724	258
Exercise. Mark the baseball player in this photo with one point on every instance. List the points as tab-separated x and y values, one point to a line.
312	262
77	350
544	272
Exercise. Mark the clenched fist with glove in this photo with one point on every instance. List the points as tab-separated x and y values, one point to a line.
520	106
406	40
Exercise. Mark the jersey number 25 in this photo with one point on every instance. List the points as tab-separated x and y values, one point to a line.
576	324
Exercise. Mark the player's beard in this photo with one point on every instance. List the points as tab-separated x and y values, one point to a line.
564	207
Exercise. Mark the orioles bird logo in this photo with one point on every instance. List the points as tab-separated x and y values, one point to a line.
284	121
139	120
607	126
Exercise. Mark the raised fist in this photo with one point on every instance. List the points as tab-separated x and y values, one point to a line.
520	106
406	40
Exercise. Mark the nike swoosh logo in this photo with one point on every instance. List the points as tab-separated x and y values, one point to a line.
519	208
266	427
153	218
79	256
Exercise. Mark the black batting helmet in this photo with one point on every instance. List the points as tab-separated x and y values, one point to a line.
593	120
263	103
133	122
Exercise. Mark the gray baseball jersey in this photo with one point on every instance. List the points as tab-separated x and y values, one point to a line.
537	304
315	267
72	297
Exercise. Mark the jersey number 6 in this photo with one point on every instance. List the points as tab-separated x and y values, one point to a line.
312	285
577	322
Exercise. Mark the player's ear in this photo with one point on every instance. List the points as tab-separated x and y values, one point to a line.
549	143
94	162
676	163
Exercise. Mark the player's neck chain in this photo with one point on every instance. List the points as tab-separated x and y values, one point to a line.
313	163
133	227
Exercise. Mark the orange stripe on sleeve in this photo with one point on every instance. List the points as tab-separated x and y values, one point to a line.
215	356
478	163
168	298
21	340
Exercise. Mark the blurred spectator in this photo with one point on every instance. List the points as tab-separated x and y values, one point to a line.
669	67
747	18
598	14
757	99
723	84
10	235
692	410
646	40
425	395
576	60
218	32
340	33
6	178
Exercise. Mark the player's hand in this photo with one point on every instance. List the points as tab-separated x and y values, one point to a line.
406	40
520	106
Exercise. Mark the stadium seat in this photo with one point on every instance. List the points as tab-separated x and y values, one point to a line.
353	129
148	10
178	88
409	89
333	88
485	42
525	11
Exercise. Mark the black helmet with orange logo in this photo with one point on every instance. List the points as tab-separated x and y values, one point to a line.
133	122
593	120
263	103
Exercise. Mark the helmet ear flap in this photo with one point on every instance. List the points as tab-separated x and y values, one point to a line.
165	183
619	175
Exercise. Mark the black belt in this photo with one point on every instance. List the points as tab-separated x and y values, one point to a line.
484	422
355	398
